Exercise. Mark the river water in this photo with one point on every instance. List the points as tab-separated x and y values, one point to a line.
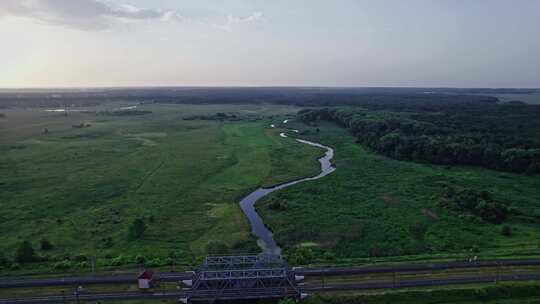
265	238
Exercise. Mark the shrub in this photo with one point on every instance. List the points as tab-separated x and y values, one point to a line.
479	203
418	231
175	255
15	266
278	205
45	244
216	247
287	301
137	229
83	264
80	258
4	261
117	261
301	256
506	230
329	256
65	264
25	253
156	262
107	242
140	259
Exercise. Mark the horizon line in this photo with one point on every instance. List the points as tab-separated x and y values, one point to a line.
262	86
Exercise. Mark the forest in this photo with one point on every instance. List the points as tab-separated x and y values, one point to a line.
298	96
503	137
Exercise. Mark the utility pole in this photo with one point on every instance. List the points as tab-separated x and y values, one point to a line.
497	276
93	264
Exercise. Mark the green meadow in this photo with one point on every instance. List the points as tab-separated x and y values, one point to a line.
373	208
81	189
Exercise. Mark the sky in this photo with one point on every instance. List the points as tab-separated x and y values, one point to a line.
428	43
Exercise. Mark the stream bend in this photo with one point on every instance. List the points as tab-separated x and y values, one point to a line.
265	238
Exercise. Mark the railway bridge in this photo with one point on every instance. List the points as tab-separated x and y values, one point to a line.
243	277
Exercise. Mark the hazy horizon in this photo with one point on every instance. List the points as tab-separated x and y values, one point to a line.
240	43
254	87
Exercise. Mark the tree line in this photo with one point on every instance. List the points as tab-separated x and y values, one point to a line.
500	137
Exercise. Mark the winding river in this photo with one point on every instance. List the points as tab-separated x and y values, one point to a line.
265	238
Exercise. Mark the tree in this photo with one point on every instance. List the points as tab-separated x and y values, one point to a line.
138	228
25	253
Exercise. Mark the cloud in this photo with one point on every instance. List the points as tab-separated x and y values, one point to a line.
232	21
89	15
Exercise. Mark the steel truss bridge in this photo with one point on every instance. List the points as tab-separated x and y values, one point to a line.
243	277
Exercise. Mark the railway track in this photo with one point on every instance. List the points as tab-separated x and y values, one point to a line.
308	272
308	288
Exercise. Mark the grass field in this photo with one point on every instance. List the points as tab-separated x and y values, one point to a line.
82	188
505	293
373	208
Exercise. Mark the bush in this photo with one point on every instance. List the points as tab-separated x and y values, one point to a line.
156	262
329	256
301	256
478	203
140	259
278	205
25	253
107	242
80	258
216	247
4	261
45	244
287	301
506	230
169	261
137	229
83	264
65	264
117	261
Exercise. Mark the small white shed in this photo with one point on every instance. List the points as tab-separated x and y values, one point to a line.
145	279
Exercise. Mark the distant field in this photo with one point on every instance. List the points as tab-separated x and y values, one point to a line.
375	207
527	98
82	188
